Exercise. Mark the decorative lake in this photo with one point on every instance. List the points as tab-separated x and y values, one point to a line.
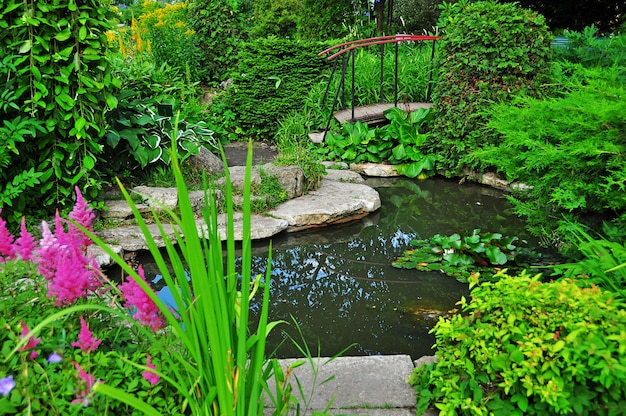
340	288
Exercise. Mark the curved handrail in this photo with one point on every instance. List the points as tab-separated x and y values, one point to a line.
348	46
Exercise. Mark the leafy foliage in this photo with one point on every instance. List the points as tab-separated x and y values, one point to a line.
532	348
54	70
323	20
398	143
218	28
490	52
602	262
460	256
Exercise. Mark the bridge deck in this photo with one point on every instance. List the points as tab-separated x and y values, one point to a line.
373	113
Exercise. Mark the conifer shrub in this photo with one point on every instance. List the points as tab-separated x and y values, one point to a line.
274	77
569	150
523	347
490	52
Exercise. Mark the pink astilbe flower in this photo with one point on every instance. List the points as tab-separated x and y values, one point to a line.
83	395
47	253
151	376
25	244
31	344
73	279
7	251
62	260
86	341
83	215
147	312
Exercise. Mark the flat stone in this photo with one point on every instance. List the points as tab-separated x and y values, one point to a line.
102	258
119	209
343	176
375	169
331	203
374	385
131	238
157	198
261	226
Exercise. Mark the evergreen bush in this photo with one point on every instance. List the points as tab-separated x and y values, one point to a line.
569	150
274	79
490	52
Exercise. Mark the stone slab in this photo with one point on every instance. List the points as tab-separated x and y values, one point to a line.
374	385
331	202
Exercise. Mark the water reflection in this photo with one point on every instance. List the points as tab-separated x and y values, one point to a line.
339	286
338	283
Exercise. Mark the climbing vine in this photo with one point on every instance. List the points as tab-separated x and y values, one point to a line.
57	81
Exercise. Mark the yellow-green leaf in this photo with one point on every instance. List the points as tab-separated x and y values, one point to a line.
26	46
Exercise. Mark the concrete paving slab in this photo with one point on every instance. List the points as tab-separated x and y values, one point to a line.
374	385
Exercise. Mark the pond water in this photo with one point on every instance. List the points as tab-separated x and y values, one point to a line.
338	283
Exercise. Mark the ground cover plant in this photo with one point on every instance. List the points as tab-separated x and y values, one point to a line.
398	143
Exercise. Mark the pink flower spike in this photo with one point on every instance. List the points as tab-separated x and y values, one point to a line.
83	396
6	242
151	376
147	312
32	342
83	215
86	341
25	244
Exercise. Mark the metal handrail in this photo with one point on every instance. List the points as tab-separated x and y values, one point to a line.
351	46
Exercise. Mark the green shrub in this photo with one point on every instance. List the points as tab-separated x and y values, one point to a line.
602	260
588	49
218	28
522	347
273	79
569	150
490	52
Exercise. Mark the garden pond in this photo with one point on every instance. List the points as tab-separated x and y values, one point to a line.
338	283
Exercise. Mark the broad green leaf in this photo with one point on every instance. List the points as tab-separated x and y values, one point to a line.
495	255
26	46
63	35
89	162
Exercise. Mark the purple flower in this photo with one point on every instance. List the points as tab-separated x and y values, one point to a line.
151	376
25	244
6	385
54	358
86	341
147	312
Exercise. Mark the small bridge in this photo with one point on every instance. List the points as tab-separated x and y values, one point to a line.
373	113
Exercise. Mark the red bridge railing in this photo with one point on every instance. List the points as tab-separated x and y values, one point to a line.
346	52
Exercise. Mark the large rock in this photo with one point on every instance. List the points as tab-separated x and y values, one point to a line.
206	161
375	169
157	198
290	178
334	202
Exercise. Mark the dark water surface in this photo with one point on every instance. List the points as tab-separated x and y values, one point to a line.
338	284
